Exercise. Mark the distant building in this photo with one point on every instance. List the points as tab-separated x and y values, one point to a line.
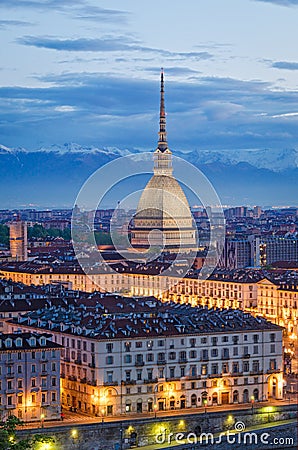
138	355
278	302
18	240
269	249
29	376
237	253
258	251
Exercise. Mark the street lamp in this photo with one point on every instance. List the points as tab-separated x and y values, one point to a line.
102	415
42	420
252	399
155	409
205	405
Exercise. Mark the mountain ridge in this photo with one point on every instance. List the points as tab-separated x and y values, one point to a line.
54	176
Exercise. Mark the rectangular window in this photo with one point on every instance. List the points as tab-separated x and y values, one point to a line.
110	377
109	347
255	366
272	364
127	375
245	366
214	352
150	357
53	396
192	342
127	359
204	369
272	348
214	369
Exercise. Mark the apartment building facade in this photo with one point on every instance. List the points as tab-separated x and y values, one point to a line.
29	376
176	358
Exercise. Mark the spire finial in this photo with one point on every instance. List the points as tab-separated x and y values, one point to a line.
162	140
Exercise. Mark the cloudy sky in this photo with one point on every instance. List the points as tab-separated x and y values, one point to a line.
87	71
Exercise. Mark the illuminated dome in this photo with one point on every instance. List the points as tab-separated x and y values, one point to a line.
163	215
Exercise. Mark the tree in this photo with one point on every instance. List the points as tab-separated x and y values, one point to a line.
10	441
4	234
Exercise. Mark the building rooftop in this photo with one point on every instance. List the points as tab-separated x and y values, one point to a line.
26	341
106	316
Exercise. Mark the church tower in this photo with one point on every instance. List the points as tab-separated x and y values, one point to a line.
163	216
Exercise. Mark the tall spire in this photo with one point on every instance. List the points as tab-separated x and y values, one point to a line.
162	134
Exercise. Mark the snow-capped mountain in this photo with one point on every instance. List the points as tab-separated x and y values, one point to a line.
54	175
272	159
276	160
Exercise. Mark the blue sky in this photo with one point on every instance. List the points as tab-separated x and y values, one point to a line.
88	72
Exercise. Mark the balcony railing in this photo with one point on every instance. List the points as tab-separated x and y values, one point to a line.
273	371
182	360
78	361
92	365
72	378
246	355
161	362
91	382
148	381
129	382
139	363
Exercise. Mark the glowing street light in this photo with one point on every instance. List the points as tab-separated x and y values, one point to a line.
252	399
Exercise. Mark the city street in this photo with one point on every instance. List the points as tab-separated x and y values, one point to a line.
82	419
